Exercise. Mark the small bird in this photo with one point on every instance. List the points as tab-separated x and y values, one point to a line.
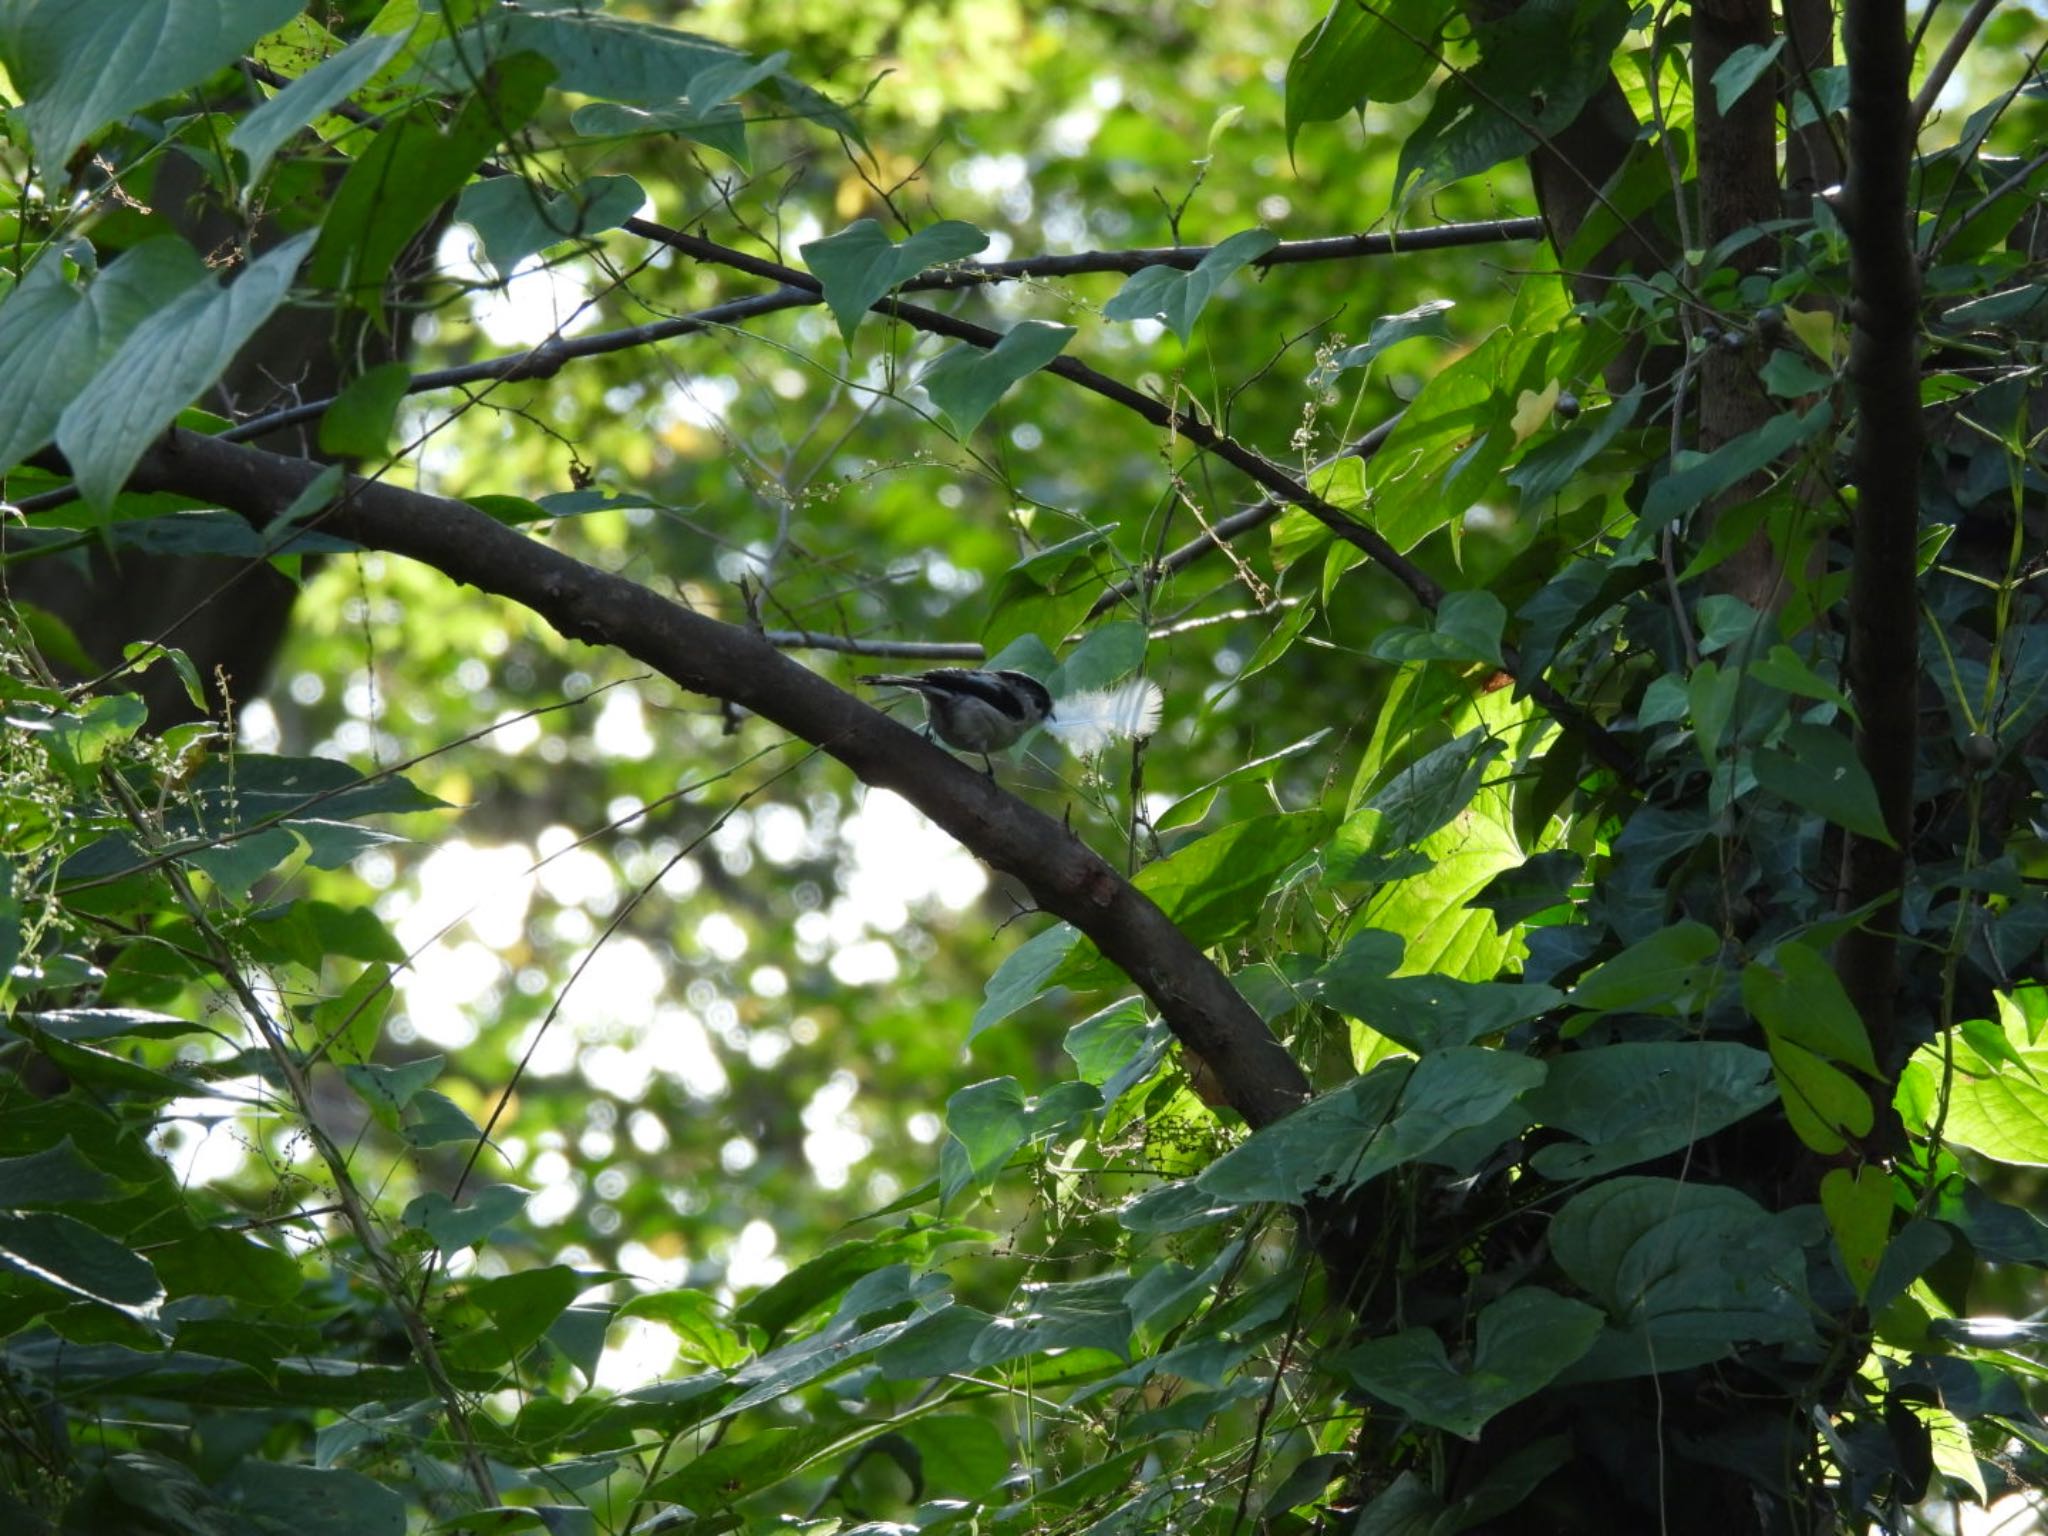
971	710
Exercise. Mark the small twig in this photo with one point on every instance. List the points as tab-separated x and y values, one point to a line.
1952	55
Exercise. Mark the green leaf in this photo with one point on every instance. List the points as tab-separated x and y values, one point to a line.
723	127
1425	319
387	1090
54	337
1827	1107
966	382
861	263
265	129
1544	60
1178	298
988	1122
1783	669
163	365
515	218
1192	807
1664	973
1697	479
1466	627
54	1176
958	1455
1549	467
619	60
454	1227
408	171
523	1306
699	1323
1859	1210
434	1120
1741	70
1817	770
1118	1048
78	67
1984	1105
1637	1100
1525	1339
1361	53
313	1501
62	1251
358	424
1427	1012
1802	1000
1216	885
1398	1112
1081	1314
1023	976
1685	1270
1107	654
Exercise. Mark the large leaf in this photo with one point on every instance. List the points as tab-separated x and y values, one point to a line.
1394	1114
1817	770
861	263
1426	1012
62	1251
1686	1271
162	367
1525	1339
54	337
1698	478
1641	1099
1217	885
77	67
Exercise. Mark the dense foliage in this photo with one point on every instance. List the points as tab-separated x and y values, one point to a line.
1548	1033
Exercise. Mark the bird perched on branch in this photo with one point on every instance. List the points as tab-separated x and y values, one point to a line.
971	710
982	711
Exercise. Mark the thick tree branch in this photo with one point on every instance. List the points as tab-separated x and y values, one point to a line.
1064	876
1261	470
1885	465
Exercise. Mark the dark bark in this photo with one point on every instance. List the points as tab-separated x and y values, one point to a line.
1738	190
1065	876
1885	466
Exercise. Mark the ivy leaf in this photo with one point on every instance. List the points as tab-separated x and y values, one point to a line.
454	1227
1177	297
1685	1270
358	424
966	382
515	217
1525	1340
1641	1099
1817	770
861	263
1828	1108
407	173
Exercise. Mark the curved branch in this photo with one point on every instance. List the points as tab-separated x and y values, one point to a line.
725	661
